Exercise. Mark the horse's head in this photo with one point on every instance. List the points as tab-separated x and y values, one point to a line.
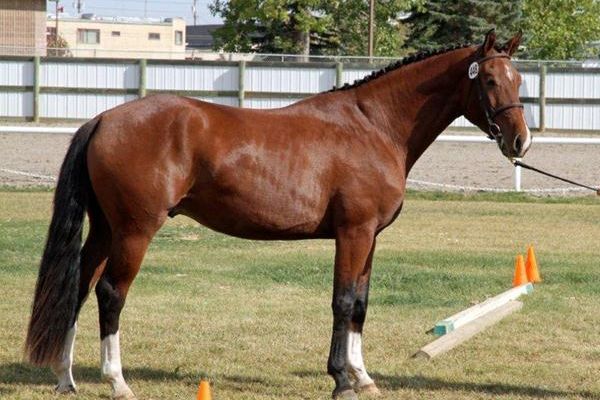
493	103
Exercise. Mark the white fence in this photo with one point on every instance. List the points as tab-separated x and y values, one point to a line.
561	98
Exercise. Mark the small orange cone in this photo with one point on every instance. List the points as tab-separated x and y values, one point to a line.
520	274
204	391
533	274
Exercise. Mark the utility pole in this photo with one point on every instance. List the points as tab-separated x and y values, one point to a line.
371	27
195	11
79	5
145	9
56	26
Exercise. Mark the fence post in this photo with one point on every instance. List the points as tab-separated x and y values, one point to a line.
36	89
543	70
241	82
518	171
339	74
142	84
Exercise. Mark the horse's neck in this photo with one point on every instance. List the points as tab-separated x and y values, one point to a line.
415	103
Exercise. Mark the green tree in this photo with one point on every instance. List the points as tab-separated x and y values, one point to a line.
334	27
561	29
57	46
439	23
269	26
351	26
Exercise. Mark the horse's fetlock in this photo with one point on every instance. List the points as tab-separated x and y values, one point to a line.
111	371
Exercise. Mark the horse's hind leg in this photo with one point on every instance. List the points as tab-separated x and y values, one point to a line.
128	249
355	364
93	259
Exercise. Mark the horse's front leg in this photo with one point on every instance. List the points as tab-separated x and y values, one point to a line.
355	364
353	247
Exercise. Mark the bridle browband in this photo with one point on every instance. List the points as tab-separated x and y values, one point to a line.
494	132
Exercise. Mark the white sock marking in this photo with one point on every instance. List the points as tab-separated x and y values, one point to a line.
356	365
63	369
111	365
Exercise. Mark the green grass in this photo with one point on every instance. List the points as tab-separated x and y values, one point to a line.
254	317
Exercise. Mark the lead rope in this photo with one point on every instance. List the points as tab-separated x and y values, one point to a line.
518	163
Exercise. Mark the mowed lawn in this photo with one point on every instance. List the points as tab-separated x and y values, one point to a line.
254	317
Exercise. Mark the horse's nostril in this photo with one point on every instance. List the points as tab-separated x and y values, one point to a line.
518	145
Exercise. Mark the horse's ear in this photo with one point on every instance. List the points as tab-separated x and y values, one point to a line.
513	44
490	41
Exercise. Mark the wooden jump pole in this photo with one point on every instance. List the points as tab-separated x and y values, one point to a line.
470	314
467	331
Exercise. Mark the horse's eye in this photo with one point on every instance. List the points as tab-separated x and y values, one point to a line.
491	83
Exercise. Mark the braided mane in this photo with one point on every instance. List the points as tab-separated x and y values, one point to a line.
411	59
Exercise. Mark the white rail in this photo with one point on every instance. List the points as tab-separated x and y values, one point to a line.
541	139
442	138
39	129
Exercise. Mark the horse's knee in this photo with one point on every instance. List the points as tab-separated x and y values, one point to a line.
343	304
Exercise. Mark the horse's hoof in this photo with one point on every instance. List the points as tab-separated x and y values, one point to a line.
123	393
347	394
369	389
65	389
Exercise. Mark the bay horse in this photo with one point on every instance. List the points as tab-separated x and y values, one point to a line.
331	166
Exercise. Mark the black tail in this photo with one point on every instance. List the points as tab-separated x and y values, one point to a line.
57	290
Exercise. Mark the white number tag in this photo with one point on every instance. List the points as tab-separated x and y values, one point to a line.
473	70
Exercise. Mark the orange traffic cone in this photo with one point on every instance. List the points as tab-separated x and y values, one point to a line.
204	391
520	274
533	274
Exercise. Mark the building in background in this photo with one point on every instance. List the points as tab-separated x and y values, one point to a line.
118	37
23	27
200	44
199	37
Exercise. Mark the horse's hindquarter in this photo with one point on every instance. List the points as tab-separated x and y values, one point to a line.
256	174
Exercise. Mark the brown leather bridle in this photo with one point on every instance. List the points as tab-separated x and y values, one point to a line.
494	131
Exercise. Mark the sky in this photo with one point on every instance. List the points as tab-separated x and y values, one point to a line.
135	8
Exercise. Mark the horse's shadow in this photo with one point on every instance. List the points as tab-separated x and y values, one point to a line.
26	374
21	373
419	382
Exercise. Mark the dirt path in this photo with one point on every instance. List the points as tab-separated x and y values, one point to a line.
483	166
472	165
31	153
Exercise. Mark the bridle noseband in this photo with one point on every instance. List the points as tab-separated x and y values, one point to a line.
494	132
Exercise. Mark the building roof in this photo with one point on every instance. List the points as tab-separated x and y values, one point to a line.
113	20
200	36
